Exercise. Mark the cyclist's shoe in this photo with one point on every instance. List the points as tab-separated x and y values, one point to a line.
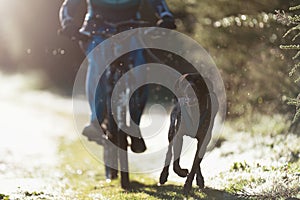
93	133
137	145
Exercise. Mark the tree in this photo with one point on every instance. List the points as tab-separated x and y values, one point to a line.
293	33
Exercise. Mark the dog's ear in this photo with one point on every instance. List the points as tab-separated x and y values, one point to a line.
182	78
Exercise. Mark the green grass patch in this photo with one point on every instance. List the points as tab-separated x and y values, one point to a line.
4	197
82	177
263	182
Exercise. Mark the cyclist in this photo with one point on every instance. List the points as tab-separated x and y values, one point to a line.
98	12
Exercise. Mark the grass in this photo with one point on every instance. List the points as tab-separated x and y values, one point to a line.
83	178
264	182
274	175
4	197
262	158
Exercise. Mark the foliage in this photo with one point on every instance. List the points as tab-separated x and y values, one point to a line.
294	33
4	197
240	37
260	182
239	166
262	166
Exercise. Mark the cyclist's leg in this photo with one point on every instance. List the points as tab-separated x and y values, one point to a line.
96	92
93	73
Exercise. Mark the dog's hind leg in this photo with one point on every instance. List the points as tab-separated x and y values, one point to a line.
201	147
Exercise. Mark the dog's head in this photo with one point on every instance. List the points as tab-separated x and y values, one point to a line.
199	84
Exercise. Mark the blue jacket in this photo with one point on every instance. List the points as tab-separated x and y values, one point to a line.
108	10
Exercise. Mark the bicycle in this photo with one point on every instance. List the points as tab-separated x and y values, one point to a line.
113	129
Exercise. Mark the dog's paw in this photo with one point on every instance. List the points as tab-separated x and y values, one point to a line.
181	172
187	187
200	182
163	177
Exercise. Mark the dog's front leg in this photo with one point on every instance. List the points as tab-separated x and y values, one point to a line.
172	131
199	178
177	147
165	172
190	177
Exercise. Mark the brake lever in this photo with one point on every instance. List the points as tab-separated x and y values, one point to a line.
80	36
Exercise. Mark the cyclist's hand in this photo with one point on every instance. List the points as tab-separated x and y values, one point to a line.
73	33
167	22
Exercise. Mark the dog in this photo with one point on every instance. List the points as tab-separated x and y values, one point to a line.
208	107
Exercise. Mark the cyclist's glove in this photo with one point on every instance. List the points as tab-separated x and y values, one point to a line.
73	33
167	22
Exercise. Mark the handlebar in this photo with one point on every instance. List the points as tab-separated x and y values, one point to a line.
110	30
114	28
129	24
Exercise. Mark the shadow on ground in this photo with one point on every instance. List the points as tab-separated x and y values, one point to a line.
167	191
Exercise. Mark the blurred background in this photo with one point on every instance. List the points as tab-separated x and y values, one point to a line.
257	154
242	36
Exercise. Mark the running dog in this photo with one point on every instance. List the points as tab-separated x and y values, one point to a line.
208	107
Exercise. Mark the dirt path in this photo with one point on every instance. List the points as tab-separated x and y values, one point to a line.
33	123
